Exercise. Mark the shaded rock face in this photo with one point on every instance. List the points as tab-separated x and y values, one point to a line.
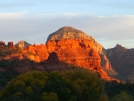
53	58
107	65
122	60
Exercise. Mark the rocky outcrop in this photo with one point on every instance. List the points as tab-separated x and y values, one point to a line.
10	44
2	44
68	33
37	53
22	44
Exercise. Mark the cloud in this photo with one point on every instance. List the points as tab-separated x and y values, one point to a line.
13	15
107	30
59	15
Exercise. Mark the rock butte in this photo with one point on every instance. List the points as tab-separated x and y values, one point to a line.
69	33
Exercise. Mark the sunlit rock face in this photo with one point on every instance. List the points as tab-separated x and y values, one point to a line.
69	33
75	47
37	53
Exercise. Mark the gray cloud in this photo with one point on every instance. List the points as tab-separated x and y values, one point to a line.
106	30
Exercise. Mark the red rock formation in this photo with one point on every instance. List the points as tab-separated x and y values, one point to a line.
69	46
10	44
37	53
2	44
77	52
68	33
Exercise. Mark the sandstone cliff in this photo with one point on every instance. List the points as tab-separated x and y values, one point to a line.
77	46
77	52
38	53
67	33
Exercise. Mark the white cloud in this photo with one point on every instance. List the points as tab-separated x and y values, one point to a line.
58	15
105	29
13	15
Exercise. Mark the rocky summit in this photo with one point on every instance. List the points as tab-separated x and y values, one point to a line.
68	33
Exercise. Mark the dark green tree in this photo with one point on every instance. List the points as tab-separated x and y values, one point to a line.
84	85
123	96
70	85
26	87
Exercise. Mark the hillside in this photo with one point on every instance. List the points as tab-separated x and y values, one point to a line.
122	60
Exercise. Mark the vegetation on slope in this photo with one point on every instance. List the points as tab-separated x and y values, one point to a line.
71	85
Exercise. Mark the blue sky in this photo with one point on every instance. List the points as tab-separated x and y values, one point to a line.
110	22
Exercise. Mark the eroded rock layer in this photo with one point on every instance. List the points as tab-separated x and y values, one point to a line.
77	52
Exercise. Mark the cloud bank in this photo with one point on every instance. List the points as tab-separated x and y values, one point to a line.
107	30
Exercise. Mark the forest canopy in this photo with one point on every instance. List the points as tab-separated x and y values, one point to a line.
69	85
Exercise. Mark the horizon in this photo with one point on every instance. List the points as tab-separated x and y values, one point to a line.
108	22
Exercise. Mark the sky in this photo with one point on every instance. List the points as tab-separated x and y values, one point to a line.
109	22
